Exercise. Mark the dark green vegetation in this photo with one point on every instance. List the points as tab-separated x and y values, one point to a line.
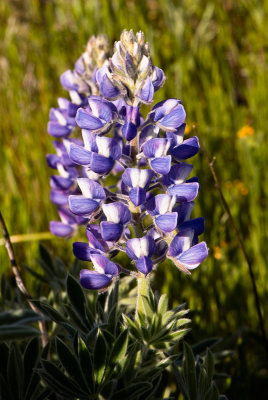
215	57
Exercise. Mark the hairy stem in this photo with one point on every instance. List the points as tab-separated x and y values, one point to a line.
19	281
239	239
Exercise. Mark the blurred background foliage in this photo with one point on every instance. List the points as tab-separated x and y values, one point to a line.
215	56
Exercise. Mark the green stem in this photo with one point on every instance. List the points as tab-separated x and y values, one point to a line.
143	290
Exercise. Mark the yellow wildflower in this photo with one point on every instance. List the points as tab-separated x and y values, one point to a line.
188	129
245	131
217	252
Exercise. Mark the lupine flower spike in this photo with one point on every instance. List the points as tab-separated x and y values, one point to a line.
147	213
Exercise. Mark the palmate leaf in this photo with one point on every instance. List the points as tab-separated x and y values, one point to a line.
50	312
30	361
21	316
18	377
76	297
100	356
162	304
186	376
70	364
189	371
133	391
86	364
59	382
17	331
119	349
108	389
15	372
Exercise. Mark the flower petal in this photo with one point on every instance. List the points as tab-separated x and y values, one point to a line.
196	224
117	212
94	280
164	203
129	131
144	265
178	174
163	108
60	229
184	211
193	257
91	189
58	197
146	93
156	147
52	160
81	205
103	265
67	80
94	238
111	231
107	89
139	247
82	251
66	216
184	191
86	120
181	242
79	155
187	149
101	108
173	120
158	78
137	196
100	164
166	222
161	165
108	147
57	130
61	183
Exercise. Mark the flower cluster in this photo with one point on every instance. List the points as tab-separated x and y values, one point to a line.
80	83
146	214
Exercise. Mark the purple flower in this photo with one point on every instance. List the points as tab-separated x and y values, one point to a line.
68	225
168	114
138	180
118	215
160	208
145	91
141	250
99	154
145	157
187	149
90	200
185	256
158	78
156	150
98	116
132	121
104	272
71	81
60	124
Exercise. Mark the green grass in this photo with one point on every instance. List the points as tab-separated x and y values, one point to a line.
215	57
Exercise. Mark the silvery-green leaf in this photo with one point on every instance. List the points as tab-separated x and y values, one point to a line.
30	361
17	331
147	308
15	372
162	304
76	296
120	347
70	363
189	371
100	355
